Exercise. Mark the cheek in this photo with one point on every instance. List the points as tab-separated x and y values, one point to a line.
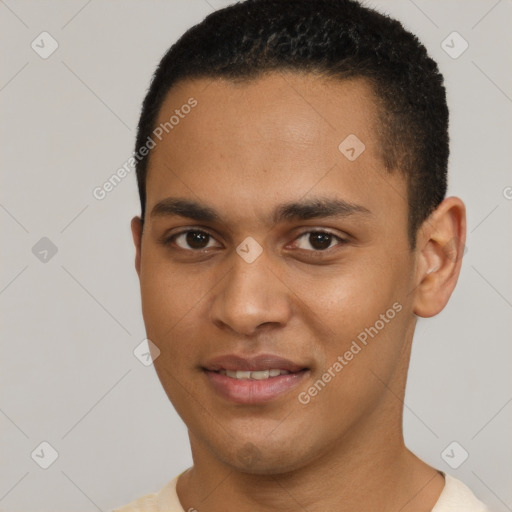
354	296
168	292
165	298
358	363
173	307
360	314
169	299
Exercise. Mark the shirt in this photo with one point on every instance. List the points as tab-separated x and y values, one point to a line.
456	497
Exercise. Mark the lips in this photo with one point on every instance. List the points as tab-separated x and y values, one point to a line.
257	363
253	380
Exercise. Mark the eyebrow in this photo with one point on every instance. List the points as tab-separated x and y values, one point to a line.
320	207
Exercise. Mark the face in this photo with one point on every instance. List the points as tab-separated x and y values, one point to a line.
267	247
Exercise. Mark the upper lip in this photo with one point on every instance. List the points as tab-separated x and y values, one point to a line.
252	363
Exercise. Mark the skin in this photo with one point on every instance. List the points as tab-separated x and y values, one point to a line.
243	150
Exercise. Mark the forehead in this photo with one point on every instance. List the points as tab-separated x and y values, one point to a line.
282	134
280	110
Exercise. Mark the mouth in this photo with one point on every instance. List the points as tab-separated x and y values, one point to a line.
253	380
256	375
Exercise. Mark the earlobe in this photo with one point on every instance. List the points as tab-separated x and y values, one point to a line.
440	250
136	226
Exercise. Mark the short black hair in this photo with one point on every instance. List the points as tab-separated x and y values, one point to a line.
336	39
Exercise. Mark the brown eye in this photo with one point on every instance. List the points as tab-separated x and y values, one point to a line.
192	239
318	240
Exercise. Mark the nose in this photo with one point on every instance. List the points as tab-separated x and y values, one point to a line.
251	297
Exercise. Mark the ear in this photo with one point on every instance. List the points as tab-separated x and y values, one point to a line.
136	226
440	248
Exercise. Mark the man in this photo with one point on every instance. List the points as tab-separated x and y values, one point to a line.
291	162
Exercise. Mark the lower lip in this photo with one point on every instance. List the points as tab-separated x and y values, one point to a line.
251	391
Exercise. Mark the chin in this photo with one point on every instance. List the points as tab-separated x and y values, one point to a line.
261	458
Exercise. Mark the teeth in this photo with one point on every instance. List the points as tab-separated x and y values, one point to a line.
260	375
238	374
257	375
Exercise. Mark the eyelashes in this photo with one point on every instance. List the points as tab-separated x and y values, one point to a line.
197	240
321	237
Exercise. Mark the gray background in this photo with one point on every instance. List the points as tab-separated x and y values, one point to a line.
70	324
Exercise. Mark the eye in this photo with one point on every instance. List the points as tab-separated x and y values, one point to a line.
193	239
318	240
